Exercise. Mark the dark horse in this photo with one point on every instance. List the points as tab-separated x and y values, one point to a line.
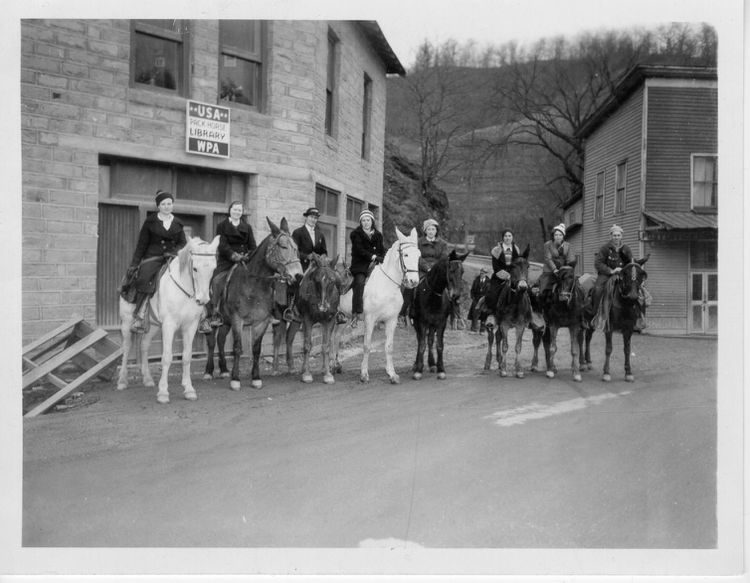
318	302
434	301
563	308
512	310
620	311
249	299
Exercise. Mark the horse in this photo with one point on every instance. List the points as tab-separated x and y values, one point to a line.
383	299
182	291
434	302
563	308
318	303
249	300
513	310
620	312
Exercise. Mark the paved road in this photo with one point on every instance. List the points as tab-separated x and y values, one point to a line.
475	461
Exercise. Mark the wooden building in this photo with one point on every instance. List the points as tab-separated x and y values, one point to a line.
282	115
651	166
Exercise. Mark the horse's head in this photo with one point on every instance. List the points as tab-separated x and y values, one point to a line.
199	259
632	277
281	254
455	274
408	256
323	286
519	270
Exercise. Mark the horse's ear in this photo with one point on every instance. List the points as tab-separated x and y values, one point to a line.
525	253
465	255
643	260
274	229
334	262
215	242
399	234
284	225
413	235
452	256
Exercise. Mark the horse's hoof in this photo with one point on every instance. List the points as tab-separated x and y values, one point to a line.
519	374
150	384
208	377
630	378
121	386
433	369
550	374
191	395
588	366
503	373
441	376
234	385
275	373
225	375
606	378
364	378
307	378
256	384
328	379
577	378
395	379
163	399
417	376
534	368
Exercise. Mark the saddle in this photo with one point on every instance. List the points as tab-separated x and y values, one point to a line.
127	288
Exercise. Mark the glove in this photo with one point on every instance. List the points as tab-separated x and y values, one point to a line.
236	257
131	271
378	259
616	270
502	274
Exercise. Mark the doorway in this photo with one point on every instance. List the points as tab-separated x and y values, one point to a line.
704	302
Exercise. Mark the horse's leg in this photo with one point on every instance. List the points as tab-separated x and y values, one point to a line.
279	336
208	372
306	348
502	349
257	330
291	332
335	346
607	352
536	340
430	348
551	350
327	350
439	334
364	374
237	325
221	341
188	334
167	336
574	330
519	344
145	340
490	342
390	330
127	343
627	336
418	367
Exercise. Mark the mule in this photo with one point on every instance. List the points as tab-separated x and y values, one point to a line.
383	300
620	314
434	303
249	300
318	303
177	305
513	310
563	308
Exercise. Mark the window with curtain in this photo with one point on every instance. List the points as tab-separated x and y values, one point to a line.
705	181
159	49
620	182
241	61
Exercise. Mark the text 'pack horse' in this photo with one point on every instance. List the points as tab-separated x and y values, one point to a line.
620	311
434	301
383	299
513	310
318	303
249	299
178	303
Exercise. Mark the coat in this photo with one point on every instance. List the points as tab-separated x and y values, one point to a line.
432	252
608	258
155	243
555	257
239	239
364	247
498	257
305	245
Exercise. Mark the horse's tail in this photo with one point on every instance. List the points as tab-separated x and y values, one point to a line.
605	305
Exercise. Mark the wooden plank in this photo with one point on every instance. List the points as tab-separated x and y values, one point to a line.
74	384
59	330
57	381
61	358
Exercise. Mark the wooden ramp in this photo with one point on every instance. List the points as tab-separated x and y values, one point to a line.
75	345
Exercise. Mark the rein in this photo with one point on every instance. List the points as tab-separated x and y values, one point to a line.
192	276
402	265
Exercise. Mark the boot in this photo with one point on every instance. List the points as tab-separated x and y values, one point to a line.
640	324
214	320
355	320
341	317
139	325
204	326
291	315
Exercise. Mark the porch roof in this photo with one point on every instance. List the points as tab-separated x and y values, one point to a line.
671	220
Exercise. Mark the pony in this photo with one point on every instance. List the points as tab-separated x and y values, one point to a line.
182	291
249	300
318	303
620	312
513	310
434	302
563	308
383	300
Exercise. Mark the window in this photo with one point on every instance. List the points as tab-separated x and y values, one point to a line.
327	201
366	117
158	58
705	181
599	196
240	61
620	183
331	82
353	208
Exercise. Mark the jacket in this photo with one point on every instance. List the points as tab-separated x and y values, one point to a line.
239	239
156	241
498	257
364	247
432	252
609	257
305	245
555	257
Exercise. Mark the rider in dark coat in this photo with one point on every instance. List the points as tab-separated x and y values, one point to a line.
479	288
503	255
367	247
161	237
309	237
556	255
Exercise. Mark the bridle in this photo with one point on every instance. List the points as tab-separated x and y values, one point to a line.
192	275
634	273
402	264
563	294
271	258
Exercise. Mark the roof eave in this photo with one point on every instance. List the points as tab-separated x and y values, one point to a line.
372	31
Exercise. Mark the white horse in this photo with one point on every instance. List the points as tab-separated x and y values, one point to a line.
178	303
383	299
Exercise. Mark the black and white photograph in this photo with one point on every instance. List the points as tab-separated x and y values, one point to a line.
395	290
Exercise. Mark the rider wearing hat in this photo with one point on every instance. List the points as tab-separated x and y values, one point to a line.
162	235
478	289
556	255
367	250
309	237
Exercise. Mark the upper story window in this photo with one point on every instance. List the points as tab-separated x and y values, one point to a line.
241	61
331	81
366	116
327	201
599	196
159	54
705	177
620	186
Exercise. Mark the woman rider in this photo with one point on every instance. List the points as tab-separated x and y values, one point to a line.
432	249
556	254
161	237
236	242
503	255
367	249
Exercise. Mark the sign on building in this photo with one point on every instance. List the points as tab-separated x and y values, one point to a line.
207	131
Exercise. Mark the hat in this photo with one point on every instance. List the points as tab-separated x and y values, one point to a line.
429	222
162	195
483	270
561	228
311	211
615	229
366	213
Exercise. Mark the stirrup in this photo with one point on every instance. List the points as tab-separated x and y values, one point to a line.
138	326
290	316
355	321
204	326
341	318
